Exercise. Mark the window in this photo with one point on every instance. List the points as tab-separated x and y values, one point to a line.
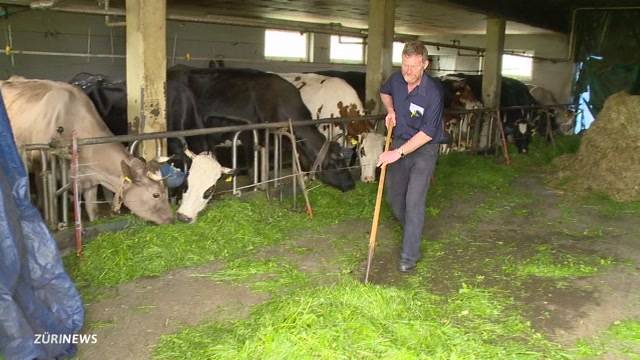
285	45
520	67
397	52
346	49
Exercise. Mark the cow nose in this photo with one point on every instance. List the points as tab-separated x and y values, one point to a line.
367	179
183	218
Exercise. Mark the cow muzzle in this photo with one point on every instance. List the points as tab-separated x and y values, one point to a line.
184	218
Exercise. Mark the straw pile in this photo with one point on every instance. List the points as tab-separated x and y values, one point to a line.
608	160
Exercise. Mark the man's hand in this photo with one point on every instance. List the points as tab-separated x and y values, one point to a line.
390	119
388	157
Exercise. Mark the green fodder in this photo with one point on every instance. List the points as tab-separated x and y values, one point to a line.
541	152
550	263
620	341
462	175
229	228
355	321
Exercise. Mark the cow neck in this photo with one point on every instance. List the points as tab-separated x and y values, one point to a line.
105	169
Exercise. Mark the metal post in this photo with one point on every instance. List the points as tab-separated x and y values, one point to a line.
76	195
256	157
234	162
45	186
64	175
276	173
53	201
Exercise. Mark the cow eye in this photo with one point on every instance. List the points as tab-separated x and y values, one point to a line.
156	195
207	194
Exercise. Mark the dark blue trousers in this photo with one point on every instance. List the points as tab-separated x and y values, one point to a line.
406	190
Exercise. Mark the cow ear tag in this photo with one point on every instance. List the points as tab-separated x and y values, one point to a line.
126	179
228	179
354	141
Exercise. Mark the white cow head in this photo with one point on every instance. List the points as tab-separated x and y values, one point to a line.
370	146
203	175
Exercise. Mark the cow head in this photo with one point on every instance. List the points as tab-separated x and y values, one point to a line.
334	169
144	193
203	175
370	146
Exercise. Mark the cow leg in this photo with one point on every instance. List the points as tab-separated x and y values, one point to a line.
90	196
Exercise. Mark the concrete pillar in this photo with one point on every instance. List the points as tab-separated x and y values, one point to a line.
379	49
492	66
147	70
321	48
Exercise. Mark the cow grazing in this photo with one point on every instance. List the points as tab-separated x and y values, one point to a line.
259	97
42	111
513	93
370	146
357	80
458	96
562	119
203	175
326	97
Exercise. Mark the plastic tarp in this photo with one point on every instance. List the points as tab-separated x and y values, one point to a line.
37	298
608	51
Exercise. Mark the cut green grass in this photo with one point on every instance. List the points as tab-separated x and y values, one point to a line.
620	341
272	276
550	263
354	321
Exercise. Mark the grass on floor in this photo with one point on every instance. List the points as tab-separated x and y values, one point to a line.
620	341
352	320
553	263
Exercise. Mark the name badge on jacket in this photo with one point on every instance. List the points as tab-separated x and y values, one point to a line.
416	110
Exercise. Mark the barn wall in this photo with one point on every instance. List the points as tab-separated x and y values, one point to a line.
69	33
557	77
64	32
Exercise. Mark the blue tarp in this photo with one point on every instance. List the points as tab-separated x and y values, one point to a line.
37	298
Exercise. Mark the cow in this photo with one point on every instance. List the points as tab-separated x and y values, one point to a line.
224	94
44	111
458	96
562	118
203	175
357	80
513	93
328	97
370	146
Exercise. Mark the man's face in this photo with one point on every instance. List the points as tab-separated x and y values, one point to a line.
412	68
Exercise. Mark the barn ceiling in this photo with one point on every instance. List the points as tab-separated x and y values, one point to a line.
416	17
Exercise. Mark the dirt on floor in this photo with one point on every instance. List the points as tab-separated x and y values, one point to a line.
464	244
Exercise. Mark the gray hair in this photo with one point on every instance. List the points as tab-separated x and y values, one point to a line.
415	47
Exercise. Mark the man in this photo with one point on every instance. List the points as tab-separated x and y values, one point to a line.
414	104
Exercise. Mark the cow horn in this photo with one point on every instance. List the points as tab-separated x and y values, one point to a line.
189	153
154	176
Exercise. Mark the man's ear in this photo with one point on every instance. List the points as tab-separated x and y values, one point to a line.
426	65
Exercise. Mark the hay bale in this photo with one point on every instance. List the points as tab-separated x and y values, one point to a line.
608	160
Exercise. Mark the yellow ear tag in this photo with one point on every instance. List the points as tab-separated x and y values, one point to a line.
126	179
354	141
228	179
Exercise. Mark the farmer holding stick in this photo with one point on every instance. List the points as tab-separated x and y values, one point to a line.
414	104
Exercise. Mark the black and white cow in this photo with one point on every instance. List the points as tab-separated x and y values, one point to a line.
207	98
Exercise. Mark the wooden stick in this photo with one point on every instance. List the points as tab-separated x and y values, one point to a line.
376	211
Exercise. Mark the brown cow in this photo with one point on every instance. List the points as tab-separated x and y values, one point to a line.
43	111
